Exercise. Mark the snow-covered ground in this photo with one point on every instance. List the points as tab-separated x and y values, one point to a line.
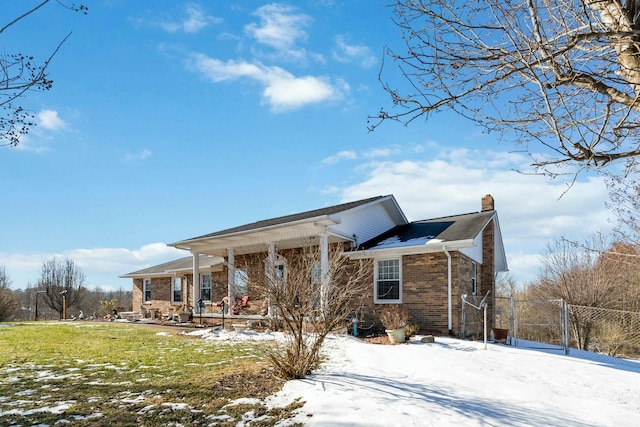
454	382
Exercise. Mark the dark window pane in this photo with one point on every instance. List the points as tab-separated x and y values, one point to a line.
389	289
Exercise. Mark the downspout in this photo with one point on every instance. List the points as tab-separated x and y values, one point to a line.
449	299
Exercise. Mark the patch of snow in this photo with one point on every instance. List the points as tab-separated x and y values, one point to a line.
60	408
176	406
226	335
455	382
396	242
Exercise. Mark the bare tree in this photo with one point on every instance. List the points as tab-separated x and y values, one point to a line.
583	275
63	282
8	300
309	302
20	73
559	77
624	202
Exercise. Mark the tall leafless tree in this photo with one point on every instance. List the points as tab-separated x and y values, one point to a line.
21	73
559	77
64	283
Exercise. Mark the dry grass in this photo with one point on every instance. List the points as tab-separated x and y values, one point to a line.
99	374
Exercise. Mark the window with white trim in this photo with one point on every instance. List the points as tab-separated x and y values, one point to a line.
241	282
388	281
146	290
474	277
205	287
176	290
316	274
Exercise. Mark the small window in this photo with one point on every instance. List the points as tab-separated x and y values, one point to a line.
205	287
278	270
146	291
241	279
176	290
316	274
388	282
474	281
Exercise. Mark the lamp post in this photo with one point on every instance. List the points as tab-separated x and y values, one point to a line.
64	304
38	292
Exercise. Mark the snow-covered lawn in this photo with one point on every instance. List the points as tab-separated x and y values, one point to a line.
448	382
454	382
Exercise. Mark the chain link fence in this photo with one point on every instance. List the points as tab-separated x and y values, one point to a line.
605	331
556	325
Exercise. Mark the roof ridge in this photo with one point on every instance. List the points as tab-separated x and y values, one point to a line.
296	216
453	216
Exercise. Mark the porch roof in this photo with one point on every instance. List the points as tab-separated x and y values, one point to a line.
288	231
177	267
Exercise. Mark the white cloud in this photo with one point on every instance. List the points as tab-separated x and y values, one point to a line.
49	120
385	151
141	155
357	53
102	266
340	155
196	19
282	90
39	137
280	27
530	208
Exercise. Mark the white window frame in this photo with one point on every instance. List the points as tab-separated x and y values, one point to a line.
173	290
316	274
278	269
202	283
146	289
474	278
241	282
376	298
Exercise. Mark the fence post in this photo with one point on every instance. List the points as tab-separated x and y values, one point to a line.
463	321
511	323
564	320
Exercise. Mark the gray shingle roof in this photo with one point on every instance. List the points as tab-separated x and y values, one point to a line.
447	229
185	263
288	218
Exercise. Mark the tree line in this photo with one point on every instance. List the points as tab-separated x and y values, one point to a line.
60	292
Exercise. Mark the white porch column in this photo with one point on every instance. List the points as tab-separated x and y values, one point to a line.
231	279
271	260
324	272
196	281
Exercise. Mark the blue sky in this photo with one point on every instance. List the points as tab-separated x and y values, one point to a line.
169	120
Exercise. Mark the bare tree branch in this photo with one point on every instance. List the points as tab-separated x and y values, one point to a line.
19	74
560	77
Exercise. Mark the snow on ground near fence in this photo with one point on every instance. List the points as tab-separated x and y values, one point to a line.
455	382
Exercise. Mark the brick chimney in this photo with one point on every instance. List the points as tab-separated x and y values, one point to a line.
488	203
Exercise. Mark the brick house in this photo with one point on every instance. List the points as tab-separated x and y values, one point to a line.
424	265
